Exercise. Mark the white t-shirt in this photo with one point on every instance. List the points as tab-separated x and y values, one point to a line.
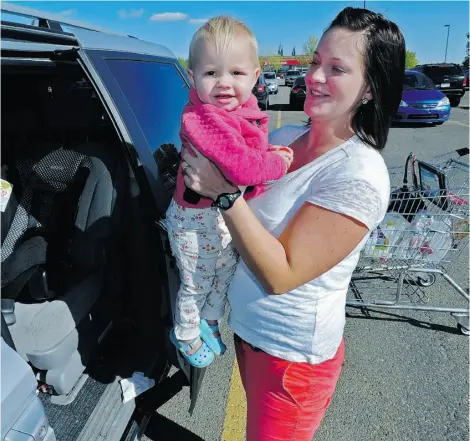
306	324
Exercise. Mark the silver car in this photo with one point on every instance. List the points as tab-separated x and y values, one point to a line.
291	76
271	81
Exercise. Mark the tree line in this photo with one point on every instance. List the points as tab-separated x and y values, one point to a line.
274	61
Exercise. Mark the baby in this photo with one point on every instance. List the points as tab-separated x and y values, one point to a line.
221	120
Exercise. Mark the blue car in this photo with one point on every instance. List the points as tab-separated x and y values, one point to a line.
421	101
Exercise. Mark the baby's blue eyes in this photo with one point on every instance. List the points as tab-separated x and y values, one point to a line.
211	73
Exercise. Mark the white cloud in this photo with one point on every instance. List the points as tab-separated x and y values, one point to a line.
198	20
68	12
169	16
131	13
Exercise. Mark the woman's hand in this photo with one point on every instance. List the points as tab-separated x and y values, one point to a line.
202	175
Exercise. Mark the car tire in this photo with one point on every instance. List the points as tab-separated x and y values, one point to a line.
454	101
295	105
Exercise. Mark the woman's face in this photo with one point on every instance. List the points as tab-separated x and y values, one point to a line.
335	80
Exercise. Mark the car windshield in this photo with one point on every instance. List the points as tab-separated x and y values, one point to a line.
435	71
293	73
270	76
418	82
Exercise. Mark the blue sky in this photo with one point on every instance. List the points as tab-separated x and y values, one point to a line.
173	23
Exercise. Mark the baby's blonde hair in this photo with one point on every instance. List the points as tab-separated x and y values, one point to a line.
222	31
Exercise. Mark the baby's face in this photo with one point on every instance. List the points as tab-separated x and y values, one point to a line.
225	79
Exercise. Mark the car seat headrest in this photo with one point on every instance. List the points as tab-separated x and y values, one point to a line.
54	171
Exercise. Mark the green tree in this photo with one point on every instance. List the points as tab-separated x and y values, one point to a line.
275	62
411	60
467	50
309	47
183	62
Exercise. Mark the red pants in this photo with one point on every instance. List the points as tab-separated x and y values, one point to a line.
286	401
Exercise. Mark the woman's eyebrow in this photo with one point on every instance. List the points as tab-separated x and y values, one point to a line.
332	58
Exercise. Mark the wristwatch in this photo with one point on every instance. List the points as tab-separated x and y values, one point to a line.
226	200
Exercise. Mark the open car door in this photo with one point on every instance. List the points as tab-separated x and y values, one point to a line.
146	92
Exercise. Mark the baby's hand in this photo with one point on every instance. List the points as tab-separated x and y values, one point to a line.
285	153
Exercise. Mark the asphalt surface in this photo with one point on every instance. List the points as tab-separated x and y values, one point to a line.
406	372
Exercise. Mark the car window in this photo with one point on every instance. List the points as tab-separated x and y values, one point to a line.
270	76
425	83
300	81
442	70
421	82
156	93
410	82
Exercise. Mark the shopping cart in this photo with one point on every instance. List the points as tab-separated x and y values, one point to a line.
424	232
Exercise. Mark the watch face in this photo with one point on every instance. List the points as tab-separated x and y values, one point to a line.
225	202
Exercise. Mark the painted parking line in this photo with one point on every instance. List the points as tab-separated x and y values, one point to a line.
235	411
279	119
458	123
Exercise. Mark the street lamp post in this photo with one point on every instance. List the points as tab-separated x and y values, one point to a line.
447	42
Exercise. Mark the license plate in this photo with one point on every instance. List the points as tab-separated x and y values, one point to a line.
445	85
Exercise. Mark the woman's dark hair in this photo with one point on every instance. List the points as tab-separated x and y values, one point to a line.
384	59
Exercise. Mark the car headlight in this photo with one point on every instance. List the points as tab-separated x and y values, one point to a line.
443	102
403	104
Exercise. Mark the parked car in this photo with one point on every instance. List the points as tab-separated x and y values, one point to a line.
421	101
466	81
303	71
297	94
90	153
261	91
271	81
447	77
291	76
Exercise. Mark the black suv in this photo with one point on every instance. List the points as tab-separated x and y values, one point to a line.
90	151
261	91
447	77
297	94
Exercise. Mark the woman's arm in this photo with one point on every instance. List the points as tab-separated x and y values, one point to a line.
314	241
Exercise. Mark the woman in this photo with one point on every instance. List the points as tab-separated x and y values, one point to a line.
300	240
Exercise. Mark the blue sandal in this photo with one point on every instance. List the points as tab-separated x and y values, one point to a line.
215	344
203	357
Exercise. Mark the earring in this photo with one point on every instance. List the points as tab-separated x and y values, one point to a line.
365	100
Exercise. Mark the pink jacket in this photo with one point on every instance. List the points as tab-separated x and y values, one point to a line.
236	141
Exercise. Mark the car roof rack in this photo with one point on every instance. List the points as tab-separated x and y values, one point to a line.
49	25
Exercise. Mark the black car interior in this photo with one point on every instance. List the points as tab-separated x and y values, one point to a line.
79	254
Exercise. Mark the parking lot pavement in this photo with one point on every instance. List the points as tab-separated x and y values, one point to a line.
406	373
464	102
